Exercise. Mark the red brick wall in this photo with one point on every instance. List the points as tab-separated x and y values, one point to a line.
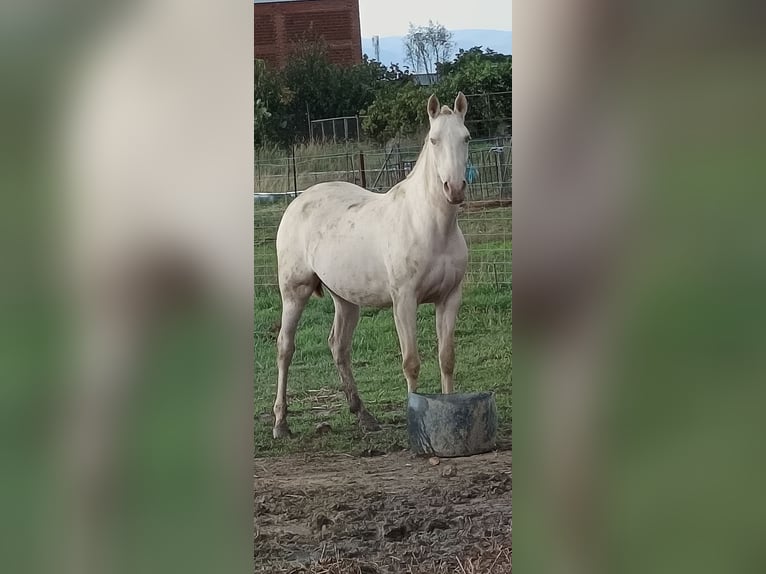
279	25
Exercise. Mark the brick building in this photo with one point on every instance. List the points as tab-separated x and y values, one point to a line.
280	24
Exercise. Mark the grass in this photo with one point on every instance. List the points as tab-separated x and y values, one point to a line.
483	340
483	362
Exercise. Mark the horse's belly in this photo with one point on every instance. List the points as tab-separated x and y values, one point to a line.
354	273
362	297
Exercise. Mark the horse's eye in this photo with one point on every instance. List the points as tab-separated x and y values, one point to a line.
434	141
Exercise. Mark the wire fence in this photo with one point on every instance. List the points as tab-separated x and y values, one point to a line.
279	171
485	218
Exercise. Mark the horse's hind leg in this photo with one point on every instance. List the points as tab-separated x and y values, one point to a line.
294	299
341	335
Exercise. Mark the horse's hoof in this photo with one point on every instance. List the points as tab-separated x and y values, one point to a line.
282	431
368	422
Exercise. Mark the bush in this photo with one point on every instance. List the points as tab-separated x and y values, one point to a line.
399	110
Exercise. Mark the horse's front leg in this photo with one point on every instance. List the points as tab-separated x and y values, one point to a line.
446	315
405	317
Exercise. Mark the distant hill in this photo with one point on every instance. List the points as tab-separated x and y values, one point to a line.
392	47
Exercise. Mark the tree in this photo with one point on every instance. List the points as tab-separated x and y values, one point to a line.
310	86
315	86
262	115
485	72
399	110
271	99
428	46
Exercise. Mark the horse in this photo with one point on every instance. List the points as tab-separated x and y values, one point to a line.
399	249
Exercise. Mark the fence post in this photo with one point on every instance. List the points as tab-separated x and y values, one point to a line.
361	170
499	162
489	115
295	175
308	119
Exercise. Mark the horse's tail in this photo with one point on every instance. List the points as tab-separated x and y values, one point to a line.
318	291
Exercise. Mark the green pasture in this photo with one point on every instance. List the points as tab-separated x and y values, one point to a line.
483	353
483	362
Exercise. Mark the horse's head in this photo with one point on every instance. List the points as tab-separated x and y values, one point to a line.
448	139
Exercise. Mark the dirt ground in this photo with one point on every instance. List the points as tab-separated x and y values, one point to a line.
338	514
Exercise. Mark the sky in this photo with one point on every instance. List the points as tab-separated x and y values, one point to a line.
392	17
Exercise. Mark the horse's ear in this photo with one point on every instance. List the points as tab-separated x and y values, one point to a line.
433	106
461	104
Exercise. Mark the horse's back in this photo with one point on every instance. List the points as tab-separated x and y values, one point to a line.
325	203
338	193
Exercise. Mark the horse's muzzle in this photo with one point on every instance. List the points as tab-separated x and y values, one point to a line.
455	193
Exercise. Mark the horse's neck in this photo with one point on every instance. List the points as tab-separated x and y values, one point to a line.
434	217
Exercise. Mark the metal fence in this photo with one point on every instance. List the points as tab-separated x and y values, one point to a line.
485	218
346	128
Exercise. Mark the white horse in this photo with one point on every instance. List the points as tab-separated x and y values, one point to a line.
401	248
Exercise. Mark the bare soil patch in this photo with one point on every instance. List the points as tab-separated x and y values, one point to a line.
327	513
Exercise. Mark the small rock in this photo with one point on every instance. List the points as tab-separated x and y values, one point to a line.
319	521
396	533
437	524
433	461
322	428
449	471
372	452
